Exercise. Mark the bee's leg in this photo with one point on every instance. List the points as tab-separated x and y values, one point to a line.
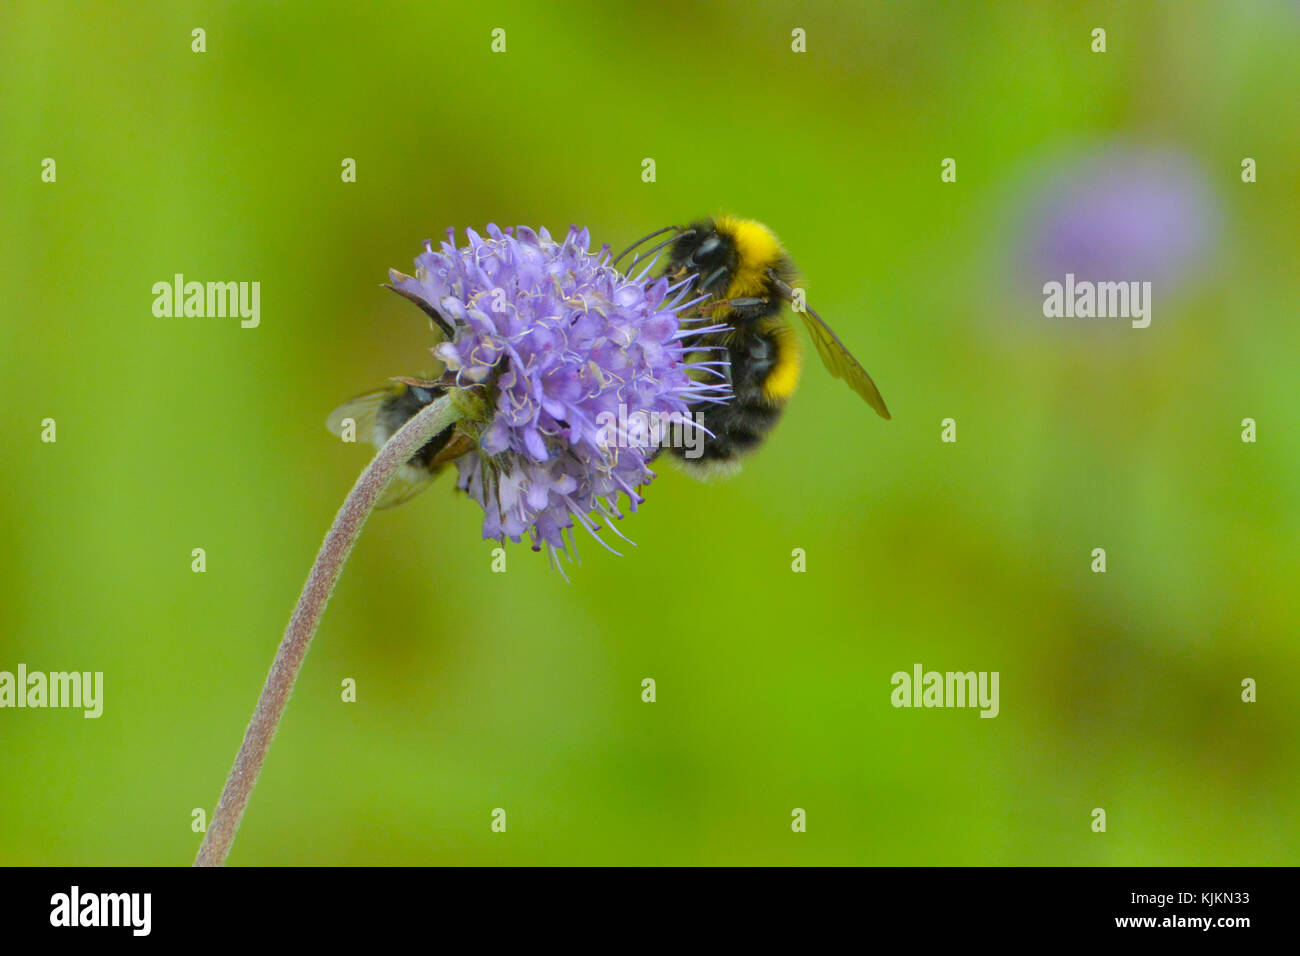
713	277
746	307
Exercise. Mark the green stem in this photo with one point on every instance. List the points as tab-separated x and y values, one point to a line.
334	551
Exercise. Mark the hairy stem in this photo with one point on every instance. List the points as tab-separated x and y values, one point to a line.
334	551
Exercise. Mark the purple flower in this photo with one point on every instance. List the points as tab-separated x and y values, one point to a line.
562	348
1123	214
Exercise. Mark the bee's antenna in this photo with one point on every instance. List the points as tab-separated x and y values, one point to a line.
653	249
657	232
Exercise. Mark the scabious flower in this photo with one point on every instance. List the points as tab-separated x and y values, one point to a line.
563	348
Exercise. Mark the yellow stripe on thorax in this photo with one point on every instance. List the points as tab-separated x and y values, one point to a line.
757	250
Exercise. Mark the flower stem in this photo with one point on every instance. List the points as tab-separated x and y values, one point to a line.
334	551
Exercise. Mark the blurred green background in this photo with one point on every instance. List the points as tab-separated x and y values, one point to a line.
479	690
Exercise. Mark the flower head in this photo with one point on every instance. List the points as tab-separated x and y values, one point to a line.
563	348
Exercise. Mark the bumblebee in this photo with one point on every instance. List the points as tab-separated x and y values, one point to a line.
744	277
378	414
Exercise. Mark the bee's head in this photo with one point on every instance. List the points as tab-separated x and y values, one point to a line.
707	252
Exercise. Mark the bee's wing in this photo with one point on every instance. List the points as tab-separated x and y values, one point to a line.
362	409
841	363
406	484
837	359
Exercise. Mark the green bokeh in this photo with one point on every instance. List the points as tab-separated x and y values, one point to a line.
517	690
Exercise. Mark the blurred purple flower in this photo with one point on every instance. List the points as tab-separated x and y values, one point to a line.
561	343
1125	214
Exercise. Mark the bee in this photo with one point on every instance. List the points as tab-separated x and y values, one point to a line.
743	274
377	415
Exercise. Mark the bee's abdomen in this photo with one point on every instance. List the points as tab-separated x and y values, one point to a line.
736	428
400	408
741	424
